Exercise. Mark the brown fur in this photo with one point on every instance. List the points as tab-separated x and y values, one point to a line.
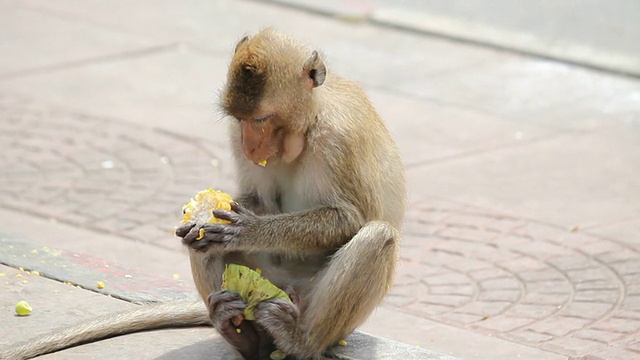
325	225
343	197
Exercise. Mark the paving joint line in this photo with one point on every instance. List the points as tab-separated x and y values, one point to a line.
472	153
120	56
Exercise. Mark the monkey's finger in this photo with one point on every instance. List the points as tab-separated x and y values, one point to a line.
192	234
295	299
183	230
236	207
228	215
195	232
208	241
216	298
224	307
220	229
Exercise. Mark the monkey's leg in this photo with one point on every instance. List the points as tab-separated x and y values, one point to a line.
354	282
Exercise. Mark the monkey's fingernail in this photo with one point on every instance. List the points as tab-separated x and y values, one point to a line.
278	355
237	320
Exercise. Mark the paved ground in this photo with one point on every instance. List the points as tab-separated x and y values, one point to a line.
598	33
523	233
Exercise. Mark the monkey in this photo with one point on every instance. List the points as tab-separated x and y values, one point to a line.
321	220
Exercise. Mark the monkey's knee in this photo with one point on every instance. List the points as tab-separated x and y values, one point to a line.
375	238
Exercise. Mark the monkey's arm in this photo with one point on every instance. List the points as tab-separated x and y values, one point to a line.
326	227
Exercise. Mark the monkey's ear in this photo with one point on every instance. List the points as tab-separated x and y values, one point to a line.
242	41
314	68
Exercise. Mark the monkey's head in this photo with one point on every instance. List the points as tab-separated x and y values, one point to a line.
269	91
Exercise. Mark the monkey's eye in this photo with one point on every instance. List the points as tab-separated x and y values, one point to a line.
263	119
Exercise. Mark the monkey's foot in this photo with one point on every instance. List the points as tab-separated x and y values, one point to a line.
225	310
279	318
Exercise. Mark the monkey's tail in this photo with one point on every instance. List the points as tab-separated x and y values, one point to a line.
147	317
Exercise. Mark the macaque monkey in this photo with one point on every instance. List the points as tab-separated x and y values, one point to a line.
321	219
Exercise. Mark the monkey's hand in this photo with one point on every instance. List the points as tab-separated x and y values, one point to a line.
202	238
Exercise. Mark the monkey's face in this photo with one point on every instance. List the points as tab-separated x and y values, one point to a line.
269	90
266	138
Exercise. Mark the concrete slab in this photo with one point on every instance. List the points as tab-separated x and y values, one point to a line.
453	341
609	102
54	305
33	281
135	255
203	343
548	180
214	26
432	131
195	343
509	87
627	231
48	42
602	35
85	271
127	89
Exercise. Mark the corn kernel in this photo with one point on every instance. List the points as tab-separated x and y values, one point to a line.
262	163
199	208
100	285
342	343
278	355
23	308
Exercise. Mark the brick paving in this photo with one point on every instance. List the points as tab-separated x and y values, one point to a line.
557	289
98	173
524	281
486	269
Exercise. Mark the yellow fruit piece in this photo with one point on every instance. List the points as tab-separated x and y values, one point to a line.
251	287
278	355
23	308
262	163
238	330
342	343
100	285
199	208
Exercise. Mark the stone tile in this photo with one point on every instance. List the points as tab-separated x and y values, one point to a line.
517	86
548	180
458	342
164	262
430	131
174	91
198	343
625	231
47	298
610	101
573	346
49	41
